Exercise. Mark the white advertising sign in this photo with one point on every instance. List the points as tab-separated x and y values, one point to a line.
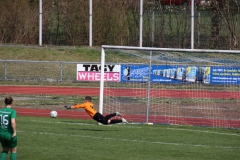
92	72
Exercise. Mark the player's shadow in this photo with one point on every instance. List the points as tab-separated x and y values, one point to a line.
96	130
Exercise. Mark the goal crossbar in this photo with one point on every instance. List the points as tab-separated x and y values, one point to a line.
170	49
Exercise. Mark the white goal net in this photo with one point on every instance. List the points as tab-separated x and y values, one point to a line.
171	86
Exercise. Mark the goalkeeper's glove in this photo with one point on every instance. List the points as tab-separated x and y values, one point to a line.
67	107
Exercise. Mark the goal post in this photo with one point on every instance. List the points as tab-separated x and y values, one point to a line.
171	86
101	82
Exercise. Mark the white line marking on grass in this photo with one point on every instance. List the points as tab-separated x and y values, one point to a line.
228	134
62	114
79	123
63	122
132	140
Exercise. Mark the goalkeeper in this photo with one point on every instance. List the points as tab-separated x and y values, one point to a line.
89	108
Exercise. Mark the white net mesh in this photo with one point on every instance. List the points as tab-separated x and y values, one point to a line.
174	87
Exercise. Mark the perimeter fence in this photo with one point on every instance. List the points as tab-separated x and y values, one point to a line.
38	71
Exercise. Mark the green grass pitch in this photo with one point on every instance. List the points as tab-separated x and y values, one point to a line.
73	139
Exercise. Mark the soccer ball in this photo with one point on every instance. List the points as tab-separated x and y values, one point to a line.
53	114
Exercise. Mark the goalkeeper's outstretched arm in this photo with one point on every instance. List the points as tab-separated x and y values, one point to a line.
68	107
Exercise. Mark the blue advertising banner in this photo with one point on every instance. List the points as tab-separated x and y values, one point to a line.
134	73
158	73
181	74
222	75
167	74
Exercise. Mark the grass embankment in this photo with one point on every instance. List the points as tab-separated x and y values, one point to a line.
72	54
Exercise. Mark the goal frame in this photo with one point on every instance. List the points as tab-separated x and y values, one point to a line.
101	96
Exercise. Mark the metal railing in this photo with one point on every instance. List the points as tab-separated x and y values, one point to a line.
27	70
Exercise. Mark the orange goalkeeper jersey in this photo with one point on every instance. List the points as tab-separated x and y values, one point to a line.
88	106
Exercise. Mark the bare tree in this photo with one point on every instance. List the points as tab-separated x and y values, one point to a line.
228	12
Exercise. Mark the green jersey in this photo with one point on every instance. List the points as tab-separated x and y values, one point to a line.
6	114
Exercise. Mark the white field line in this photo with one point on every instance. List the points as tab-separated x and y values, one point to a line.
131	140
228	134
44	113
132	126
119	124
62	123
137	141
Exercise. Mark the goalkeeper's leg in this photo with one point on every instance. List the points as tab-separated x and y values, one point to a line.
114	121
100	118
106	120
110	116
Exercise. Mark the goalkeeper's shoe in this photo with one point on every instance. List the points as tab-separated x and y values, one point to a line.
118	114
124	120
67	107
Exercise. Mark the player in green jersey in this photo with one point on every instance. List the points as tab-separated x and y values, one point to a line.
8	137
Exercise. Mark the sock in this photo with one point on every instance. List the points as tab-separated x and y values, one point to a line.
116	121
3	155
13	156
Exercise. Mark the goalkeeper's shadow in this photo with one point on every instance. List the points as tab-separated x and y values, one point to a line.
95	130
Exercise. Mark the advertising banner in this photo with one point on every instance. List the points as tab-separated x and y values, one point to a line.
222	75
92	72
160	73
168	74
134	73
